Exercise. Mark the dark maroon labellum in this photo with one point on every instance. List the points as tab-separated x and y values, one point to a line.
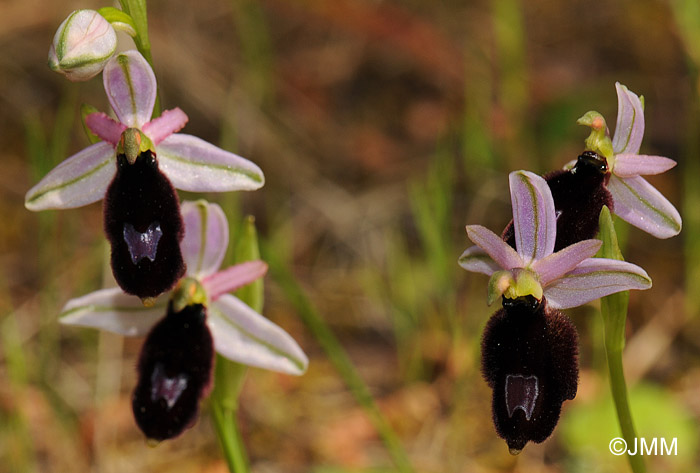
144	227
579	195
530	360
174	373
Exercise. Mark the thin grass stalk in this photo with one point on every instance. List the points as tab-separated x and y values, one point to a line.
339	357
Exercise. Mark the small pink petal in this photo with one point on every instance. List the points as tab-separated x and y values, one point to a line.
131	88
629	165
558	264
105	127
629	129
640	204
169	122
534	217
495	247
233	278
206	237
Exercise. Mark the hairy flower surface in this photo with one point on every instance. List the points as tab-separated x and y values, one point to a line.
82	45
175	363
529	348
190	163
143	224
530	360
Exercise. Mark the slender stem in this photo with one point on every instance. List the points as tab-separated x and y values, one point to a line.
614	311
229	438
337	355
229	376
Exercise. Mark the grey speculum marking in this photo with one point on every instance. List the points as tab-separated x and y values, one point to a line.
521	393
142	245
168	389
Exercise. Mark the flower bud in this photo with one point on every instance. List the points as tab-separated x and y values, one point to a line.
82	45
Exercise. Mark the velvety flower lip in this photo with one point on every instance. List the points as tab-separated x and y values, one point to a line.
635	200
190	163
567	278
239	333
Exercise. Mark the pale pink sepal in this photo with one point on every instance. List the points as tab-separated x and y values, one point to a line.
113	311
630	165
206	237
79	180
505	256
105	127
169	122
534	217
595	278
629	129
640	204
476	260
557	264
194	165
233	278
130	85
244	336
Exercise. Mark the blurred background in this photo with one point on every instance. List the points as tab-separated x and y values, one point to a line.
383	127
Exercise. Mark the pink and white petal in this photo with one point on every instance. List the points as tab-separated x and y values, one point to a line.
233	278
629	165
534	217
558	264
476	260
500	251
131	88
79	180
595	278
194	165
169	122
244	336
113	311
640	204
629	129
206	237
105	127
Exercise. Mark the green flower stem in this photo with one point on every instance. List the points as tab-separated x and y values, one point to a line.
337	355
614	311
229	438
229	376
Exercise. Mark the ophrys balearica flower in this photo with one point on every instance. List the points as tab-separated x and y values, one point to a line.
610	173
176	360
140	161
529	348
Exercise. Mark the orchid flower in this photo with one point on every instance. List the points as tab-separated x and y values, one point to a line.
634	199
568	278
176	361
529	348
190	163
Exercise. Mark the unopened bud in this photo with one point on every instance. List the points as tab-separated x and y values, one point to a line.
82	45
